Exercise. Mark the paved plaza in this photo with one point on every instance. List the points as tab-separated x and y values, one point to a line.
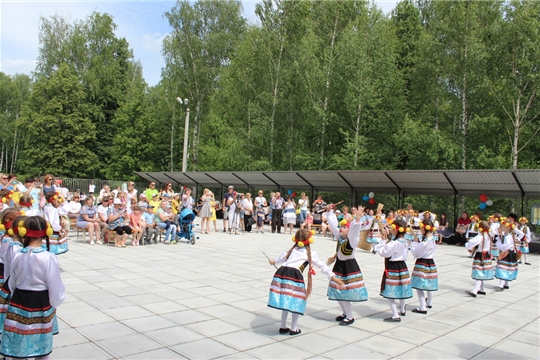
209	301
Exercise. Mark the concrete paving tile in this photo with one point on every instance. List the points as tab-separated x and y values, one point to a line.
187	317
221	310
532	327
105	331
83	287
243	340
466	334
354	352
144	299
174	335
521	349
81	351
74	307
385	345
164	307
69	337
212	328
462	349
374	324
85	318
162	354
176	295
249	305
128	345
128	312
279	350
197	302
149	323
110	303
496	354
314	342
410	335
238	356
203	349
427	353
526	337
349	333
94	295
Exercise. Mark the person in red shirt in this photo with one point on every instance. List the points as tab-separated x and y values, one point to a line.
461	229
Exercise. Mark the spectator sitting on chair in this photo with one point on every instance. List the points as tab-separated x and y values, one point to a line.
150	226
165	221
74	207
116	220
155	202
461	229
308	222
88	219
143	202
102	212
443	229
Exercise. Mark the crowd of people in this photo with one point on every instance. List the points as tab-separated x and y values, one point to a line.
393	235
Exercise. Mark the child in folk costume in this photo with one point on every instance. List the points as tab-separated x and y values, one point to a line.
51	212
9	248
288	292
494	233
396	281
346	268
472	230
507	243
524	246
413	221
6	219
482	267
27	209
424	276
375	229
37	290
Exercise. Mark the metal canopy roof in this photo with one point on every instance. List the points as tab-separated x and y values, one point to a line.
496	183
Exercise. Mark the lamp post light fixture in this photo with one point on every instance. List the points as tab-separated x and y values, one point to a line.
186	132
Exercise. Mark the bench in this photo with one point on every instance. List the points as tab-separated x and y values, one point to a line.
73	225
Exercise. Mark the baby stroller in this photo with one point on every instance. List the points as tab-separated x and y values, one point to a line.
185	230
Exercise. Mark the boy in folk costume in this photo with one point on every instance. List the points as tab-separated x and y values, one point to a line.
507	243
524	246
424	276
346	268
396	281
288	292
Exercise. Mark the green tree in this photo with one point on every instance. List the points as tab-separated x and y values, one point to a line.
59	134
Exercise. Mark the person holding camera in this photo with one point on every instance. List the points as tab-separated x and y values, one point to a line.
228	195
235	208
115	217
277	211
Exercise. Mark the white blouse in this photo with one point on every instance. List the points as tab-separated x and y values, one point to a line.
36	269
477	240
354	233
299	256
396	250
50	213
425	249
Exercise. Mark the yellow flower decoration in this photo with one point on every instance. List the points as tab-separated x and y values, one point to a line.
343	222
49	231
10	232
2	227
311	240
300	244
22	231
294	238
312	232
428	228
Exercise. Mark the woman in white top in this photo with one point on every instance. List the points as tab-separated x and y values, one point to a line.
247	205
131	193
303	204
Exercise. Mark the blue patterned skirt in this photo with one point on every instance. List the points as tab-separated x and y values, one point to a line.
29	325
288	291
524	248
2	273
396	281
494	250
374	237
57	245
424	275
507	267
482	267
5	297
349	272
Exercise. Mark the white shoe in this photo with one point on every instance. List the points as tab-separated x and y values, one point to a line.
100	242
92	242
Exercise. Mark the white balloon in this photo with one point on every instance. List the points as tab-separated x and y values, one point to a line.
371	195
489	202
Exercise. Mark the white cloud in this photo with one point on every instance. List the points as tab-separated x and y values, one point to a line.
152	42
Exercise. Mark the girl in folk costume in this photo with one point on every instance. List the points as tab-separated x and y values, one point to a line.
494	233
375	229
413	221
524	246
288	292
6	220
396	281
482	267
424	276
507	243
37	290
52	212
8	250
346	268
27	209
472	230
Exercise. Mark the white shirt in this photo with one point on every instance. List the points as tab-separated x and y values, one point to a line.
50	213
396	250
102	212
303	204
507	244
74	207
477	240
425	249
299	256
260	201
247	205
12	249
37	269
91	188
353	236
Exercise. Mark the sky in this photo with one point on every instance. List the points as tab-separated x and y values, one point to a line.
141	22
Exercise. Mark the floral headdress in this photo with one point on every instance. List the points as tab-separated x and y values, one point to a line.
302	243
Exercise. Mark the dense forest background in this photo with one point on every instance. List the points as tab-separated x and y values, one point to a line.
316	85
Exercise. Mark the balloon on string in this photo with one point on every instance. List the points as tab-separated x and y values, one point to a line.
293	194
365	198
489	202
289	192
372	201
482	206
483	198
371	195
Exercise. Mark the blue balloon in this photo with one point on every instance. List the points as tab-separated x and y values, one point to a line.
289	192
365	198
482	206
